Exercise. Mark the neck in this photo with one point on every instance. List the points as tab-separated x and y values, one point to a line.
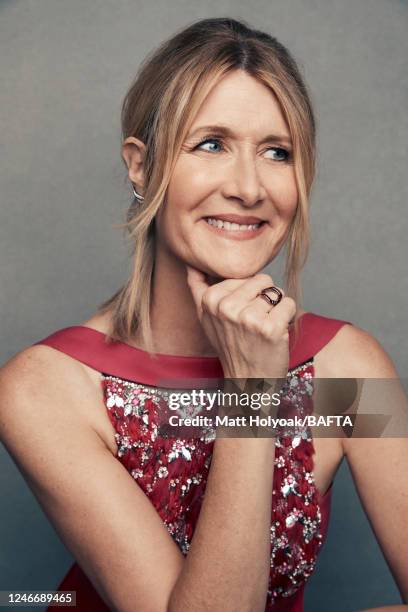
175	325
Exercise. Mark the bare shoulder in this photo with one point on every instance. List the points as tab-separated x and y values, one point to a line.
39	364
34	366
41	385
354	353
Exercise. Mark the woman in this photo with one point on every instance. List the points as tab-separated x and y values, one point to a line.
219	143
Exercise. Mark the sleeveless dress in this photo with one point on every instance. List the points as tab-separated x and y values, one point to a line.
173	471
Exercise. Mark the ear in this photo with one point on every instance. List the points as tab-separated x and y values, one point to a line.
133	153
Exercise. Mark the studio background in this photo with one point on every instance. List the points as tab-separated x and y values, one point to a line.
65	67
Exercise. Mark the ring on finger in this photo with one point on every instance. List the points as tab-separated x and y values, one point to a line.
271	301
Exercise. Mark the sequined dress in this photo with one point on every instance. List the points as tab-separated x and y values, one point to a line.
172	470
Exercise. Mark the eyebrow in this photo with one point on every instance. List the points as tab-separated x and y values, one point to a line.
226	131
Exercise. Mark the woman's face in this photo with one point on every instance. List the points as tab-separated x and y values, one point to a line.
239	171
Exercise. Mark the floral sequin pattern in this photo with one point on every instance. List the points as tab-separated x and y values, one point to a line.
173	473
296	515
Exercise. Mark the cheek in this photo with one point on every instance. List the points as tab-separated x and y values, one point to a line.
189	185
283	193
187	188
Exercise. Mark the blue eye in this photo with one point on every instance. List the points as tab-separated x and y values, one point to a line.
208	140
283	155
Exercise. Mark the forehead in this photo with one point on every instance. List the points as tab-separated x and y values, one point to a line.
243	103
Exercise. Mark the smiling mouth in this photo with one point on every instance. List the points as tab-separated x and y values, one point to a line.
237	231
233	227
235	224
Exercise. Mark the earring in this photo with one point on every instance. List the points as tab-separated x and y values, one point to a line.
138	197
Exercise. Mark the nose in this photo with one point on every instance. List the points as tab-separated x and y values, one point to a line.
242	180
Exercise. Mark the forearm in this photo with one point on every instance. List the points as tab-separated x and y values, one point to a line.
227	567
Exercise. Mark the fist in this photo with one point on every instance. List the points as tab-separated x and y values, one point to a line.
250	336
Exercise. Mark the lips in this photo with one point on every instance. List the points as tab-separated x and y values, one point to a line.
241	220
234	231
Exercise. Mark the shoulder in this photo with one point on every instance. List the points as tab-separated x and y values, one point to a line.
39	362
37	383
352	352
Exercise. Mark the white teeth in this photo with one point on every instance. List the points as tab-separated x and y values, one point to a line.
234	227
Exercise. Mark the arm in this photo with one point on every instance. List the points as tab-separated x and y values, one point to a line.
108	523
229	560
379	466
379	470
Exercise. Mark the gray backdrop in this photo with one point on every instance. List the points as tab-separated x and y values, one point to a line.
65	67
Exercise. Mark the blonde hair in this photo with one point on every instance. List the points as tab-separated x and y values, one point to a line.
159	109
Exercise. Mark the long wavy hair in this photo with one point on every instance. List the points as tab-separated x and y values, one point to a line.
159	109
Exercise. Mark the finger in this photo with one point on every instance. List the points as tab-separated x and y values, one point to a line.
243	295
213	297
199	285
281	315
253	315
196	280
195	277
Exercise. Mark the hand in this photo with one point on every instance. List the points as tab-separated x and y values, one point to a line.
250	336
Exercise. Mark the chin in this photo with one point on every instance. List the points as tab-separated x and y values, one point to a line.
236	271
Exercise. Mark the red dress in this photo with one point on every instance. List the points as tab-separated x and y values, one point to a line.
172	471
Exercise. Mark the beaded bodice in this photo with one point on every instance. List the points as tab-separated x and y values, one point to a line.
173	471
